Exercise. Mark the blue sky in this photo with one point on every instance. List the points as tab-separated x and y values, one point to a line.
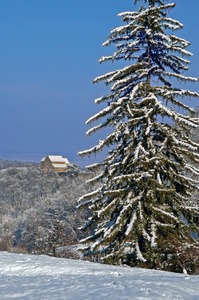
48	60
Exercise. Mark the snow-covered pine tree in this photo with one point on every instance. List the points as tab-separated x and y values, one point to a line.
143	199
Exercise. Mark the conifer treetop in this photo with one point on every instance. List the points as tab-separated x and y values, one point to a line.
152	2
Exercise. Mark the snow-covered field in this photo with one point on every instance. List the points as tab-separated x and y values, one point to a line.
28	277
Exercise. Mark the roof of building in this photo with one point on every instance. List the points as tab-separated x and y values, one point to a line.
60	166
66	160
56	158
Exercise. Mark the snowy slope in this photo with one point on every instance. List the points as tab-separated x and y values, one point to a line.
27	277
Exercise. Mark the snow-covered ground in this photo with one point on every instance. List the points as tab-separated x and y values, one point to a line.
27	277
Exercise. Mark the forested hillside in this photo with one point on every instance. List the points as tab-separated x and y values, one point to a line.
38	210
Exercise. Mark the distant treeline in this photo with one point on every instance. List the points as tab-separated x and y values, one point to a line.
5	164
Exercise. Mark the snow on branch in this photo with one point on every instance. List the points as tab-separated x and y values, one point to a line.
181	76
188	179
132	176
167	110
109	232
153	236
162	36
176	116
115	192
166	6
186	120
165	190
107	207
181	197
83	203
149	97
135	90
146	235
178	39
105	58
140	210
102	113
172	21
182	51
191	142
126	70
85	240
103	77
104	98
95	179
97	243
89	195
182	93
121	215
120	29
165	213
194	170
170	26
130	225
91	150
164	225
127	14
143	175
159	179
194	209
183	144
87	224
96	128
139	254
94	166
138	149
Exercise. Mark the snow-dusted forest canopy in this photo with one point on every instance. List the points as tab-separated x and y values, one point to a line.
142	210
37	209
